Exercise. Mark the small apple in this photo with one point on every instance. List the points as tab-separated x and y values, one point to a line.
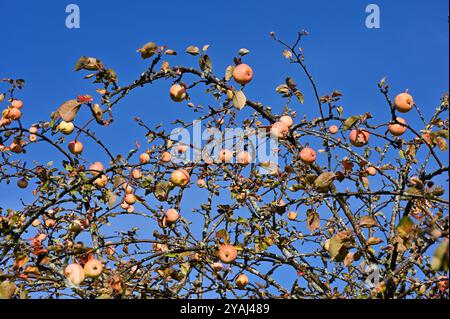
93	268
241	281
227	253
166	157
33	130
76	147
22	183
286	119
32	138
75	226
96	168
279	130
180	177
66	127
17	104
171	216
201	183
137	174
359	137
130	199
308	155
74	274
371	170
144	158
177	93
101	181
225	156
333	129
398	129
404	102
243	158
14	114
242	73
292	215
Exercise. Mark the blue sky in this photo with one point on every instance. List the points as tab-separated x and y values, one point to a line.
411	49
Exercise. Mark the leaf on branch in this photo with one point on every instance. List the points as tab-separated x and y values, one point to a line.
222	234
205	48
193	50
148	50
405	227
283	89
239	100
229	72
7	289
300	96
69	109
243	52
440	257
348	123
205	63
287	54
162	190
367	222
98	113
339	245
312	220
88	63
324	180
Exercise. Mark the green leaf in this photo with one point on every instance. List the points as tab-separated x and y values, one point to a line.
440	258
405	227
348	123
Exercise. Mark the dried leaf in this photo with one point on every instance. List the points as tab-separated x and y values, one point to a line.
148	50
229	73
324	180
287	54
441	257
367	222
312	220
239	100
405	227
193	50
7	289
205	63
339	245
69	109
243	51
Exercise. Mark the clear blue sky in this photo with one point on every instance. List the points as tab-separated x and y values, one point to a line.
411	49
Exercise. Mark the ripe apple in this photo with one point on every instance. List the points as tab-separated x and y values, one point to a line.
32	138
279	130
242	73
22	183
17	104
33	130
404	102
75	226
243	158
286	119
292	215
93	268
371	170
171	216
166	157
137	174
241	281
144	158
96	168
333	129
76	147
66	127
225	156
177	92
74	274
130	199
398	129
308	155
101	181
180	177
227	253
14	114
359	138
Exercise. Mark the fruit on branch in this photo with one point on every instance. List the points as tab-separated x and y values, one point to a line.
4	122
244	158
16	147
201	182
182	148
279	130
74	274
398	129
75	226
101	181
109	248
227	253
404	102
93	268
127	188
242	73
371	170
96	168
442	284
177	93
22	183
241	281
13	114
308	155
225	156
130	199
17	104
286	119
217	266
137	174
180	177
66	127
292	215
171	216
359	137
333	129
32	137
144	158
166	157
76	147
33	130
